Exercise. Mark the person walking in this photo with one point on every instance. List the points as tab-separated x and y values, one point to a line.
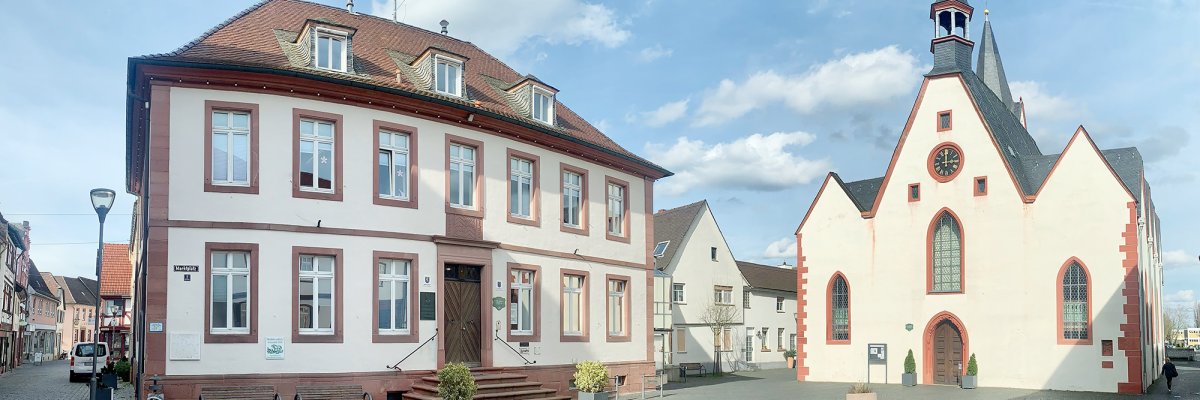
1169	371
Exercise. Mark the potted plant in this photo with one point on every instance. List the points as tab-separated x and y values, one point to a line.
122	370
590	378
860	391
970	381
455	382
910	370
790	356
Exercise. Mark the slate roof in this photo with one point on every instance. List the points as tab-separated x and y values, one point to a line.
252	39
673	225
863	192
83	290
37	283
768	277
17	234
116	275
61	281
991	69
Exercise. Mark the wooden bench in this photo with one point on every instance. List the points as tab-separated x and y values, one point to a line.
331	392
685	367
264	392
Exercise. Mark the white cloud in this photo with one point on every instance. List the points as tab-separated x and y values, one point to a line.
782	248
856	79
757	162
1179	259
653	53
1186	296
1040	105
663	115
570	22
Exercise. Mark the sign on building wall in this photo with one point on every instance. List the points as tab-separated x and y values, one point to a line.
428	306
184	346
877	353
274	348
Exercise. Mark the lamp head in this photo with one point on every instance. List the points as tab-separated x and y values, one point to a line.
102	201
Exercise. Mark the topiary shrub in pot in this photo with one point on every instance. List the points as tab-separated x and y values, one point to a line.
790	356
590	378
970	381
455	382
910	370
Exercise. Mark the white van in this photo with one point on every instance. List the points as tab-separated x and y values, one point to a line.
82	358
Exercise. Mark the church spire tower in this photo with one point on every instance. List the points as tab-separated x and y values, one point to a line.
990	69
951	28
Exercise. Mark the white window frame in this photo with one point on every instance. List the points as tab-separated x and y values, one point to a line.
515	288
520	179
395	151
316	276
616	209
792	342
746	296
572	198
748	347
616	318
453	88
576	311
678	293
723	295
342	37
544	115
779	337
229	272
316	141
779	304
230	131
397	280
463	201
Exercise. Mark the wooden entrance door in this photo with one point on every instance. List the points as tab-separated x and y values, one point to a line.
947	354
462	333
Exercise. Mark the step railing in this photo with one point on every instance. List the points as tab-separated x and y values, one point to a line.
396	366
518	353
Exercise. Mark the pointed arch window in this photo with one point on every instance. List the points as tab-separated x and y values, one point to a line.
1074	304
838	327
946	255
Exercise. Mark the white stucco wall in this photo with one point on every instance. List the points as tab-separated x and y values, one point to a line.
1013	253
763	314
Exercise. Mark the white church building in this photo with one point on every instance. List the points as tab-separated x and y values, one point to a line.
977	241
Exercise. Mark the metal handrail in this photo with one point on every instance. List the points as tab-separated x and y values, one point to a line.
396	366
518	353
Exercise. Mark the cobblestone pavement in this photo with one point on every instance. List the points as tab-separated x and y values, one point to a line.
48	382
781	384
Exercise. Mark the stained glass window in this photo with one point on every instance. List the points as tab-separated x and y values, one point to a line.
840	307
947	255
1074	303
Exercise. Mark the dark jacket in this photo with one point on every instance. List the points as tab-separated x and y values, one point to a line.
1169	370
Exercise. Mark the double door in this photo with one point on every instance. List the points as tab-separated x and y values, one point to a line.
463	329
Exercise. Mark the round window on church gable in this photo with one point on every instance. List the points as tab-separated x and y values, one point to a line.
945	162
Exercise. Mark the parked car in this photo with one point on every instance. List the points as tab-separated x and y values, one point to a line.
83	355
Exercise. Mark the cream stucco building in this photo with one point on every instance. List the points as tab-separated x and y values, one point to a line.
976	241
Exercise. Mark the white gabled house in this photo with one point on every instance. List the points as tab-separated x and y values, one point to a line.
769	307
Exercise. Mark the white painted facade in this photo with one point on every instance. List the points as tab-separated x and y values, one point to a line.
780	325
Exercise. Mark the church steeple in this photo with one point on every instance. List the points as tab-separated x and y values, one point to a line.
990	69
951	27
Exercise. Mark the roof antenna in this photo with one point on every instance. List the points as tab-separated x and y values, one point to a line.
444	24
395	9
350	6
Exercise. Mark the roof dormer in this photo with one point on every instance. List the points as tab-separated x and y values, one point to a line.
320	44
435	70
533	99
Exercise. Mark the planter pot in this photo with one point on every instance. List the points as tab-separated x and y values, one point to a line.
862	396
791	362
593	396
909	379
970	381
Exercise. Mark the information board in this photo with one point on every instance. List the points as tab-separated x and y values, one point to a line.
428	306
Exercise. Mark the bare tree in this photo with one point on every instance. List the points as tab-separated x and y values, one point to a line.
1174	318
718	317
1196	314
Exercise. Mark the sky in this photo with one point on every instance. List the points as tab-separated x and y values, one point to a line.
749	103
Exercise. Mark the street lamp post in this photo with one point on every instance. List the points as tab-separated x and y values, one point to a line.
102	201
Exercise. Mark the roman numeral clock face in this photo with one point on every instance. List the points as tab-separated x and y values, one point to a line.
945	162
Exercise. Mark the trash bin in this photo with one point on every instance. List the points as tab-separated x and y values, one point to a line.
104	393
108	380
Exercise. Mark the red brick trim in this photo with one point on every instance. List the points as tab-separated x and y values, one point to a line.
583	195
927	351
1130	341
252	163
1106	364
962	253
338	304
962	162
938	122
585	305
414	323
829	310
801	308
411	131
537	303
608	336
157	255
943	5
911	198
535	211
975	186
338	159
1058	283
625	234
252	336
477	207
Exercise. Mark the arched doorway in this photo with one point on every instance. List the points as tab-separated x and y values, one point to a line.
946	350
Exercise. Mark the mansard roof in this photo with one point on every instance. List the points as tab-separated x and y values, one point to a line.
673	225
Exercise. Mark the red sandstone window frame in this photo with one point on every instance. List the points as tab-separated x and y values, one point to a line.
949	115
535	211
911	198
627	310
477	207
338	304
584	305
252	164
536	318
411	132
582	229
979	186
252	335
414	322
829	311
625	198
1059	302
962	253
299	114
962	162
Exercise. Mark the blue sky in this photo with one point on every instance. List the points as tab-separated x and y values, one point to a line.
771	95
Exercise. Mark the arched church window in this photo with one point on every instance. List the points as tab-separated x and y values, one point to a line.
947	255
1074	297
839	309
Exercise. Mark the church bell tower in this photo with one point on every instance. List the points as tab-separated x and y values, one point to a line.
951	27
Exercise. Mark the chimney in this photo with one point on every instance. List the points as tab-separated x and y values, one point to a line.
350	6
445	24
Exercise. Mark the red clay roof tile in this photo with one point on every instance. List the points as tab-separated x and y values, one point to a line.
116	274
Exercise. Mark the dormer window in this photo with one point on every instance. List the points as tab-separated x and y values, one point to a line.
447	76
330	52
543	106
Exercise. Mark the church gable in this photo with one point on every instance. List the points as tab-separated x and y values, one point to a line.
834	202
1084	168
